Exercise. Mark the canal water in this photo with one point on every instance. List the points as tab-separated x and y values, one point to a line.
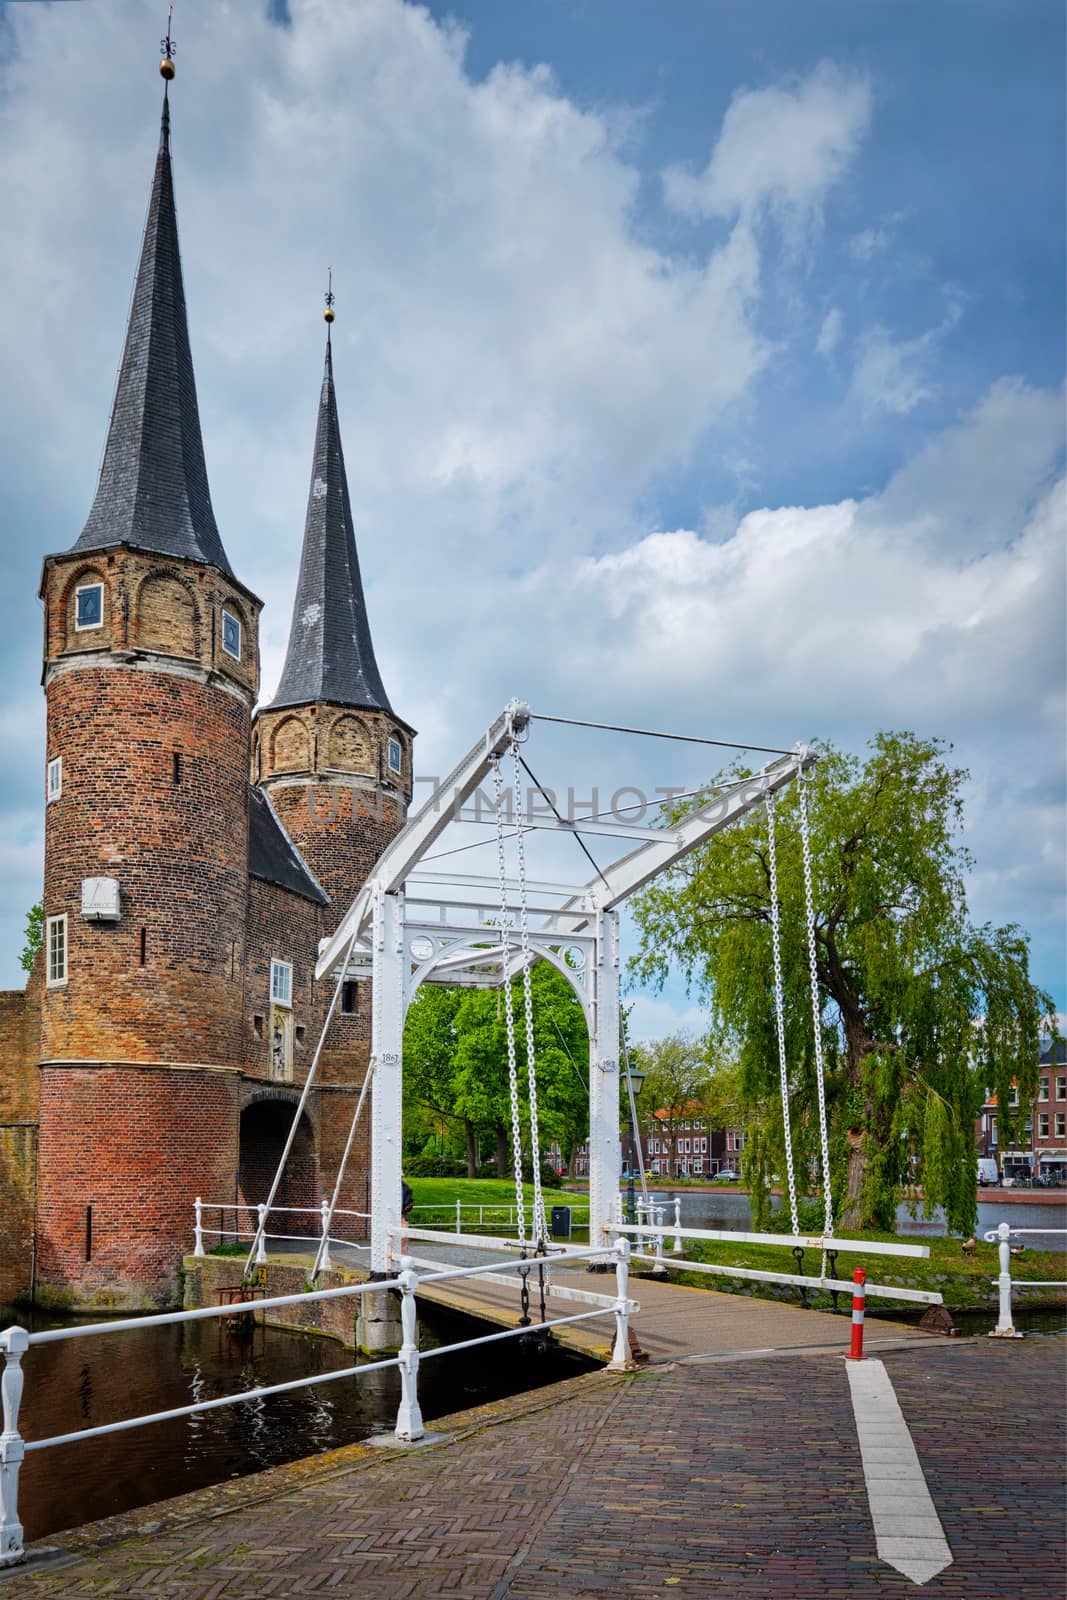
80	1383
729	1211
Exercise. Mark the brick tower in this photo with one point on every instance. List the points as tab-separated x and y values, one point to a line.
150	672
329	750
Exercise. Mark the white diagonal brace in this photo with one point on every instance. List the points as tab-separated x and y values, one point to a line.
429	822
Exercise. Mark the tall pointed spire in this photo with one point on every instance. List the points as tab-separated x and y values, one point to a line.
153	490
330	655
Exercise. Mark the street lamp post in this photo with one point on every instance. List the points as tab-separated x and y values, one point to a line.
637	1083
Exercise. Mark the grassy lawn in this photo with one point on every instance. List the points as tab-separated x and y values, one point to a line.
474	1192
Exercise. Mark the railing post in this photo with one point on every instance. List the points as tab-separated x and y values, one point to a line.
677	1224
1005	1328
658	1268
14	1342
621	1359
859	1300
261	1235
198	1227
409	1417
459	1217
325	1264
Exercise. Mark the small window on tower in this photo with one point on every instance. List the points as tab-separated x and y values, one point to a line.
56	949
231	635
54	785
349	998
257	1026
395	755
281	983
89	606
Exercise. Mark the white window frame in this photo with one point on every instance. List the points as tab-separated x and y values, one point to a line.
281	993
1042	1087
85	588
1061	1086
1042	1124
229	616
55	979
396	766
54	769
698	1168
1061	1124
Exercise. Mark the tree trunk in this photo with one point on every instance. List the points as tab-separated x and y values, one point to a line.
500	1155
472	1147
858	1045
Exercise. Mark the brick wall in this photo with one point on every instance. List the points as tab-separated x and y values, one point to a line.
155	795
137	1145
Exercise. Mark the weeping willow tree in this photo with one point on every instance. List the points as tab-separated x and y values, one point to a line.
919	1011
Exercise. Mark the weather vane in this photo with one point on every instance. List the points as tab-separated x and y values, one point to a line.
328	314
167	49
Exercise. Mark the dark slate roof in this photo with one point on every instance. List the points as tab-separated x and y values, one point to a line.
1055	1055
153	490
273	856
330	655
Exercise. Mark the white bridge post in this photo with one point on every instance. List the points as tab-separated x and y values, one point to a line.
677	1224
198	1227
1005	1327
409	1416
605	1150
261	1234
14	1342
621	1359
325	1264
378	1328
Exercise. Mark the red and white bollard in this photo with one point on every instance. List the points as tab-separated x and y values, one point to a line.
859	1297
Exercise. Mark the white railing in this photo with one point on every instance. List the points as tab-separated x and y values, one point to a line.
1003	1235
643	1230
15	1341
489	1214
201	1226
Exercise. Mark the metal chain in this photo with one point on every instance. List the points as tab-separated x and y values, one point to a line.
816	1012
779	1009
539	1223
509	1016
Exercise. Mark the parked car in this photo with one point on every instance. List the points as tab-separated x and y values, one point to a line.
987	1170
726	1175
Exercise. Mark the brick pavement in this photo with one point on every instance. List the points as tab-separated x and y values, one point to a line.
694	1481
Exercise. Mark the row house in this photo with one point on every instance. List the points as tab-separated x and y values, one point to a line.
1039	1147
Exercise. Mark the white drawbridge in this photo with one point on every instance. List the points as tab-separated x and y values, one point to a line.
417	921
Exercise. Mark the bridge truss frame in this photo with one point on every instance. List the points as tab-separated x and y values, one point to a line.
408	927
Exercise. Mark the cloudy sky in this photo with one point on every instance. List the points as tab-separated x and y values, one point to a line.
699	366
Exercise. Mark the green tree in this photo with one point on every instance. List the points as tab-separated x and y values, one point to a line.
919	1010
676	1087
34	936
456	1063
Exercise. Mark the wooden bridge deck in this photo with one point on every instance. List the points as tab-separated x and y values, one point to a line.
675	1322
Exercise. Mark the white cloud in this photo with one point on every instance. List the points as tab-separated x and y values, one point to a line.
779	151
895	375
908	609
653	1017
830	332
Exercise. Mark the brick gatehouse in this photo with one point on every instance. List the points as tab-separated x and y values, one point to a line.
196	850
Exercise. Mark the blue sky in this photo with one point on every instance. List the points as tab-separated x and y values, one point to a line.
698	364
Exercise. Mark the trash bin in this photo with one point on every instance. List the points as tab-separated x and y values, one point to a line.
561	1222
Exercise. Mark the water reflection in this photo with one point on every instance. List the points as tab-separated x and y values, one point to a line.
83	1383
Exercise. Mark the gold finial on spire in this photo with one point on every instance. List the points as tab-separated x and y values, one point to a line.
167	49
328	314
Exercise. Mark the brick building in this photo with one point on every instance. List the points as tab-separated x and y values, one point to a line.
1039	1148
196	849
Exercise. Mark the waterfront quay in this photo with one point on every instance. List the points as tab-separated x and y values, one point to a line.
735	1475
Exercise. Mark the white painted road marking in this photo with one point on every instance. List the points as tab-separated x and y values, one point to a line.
907	1528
